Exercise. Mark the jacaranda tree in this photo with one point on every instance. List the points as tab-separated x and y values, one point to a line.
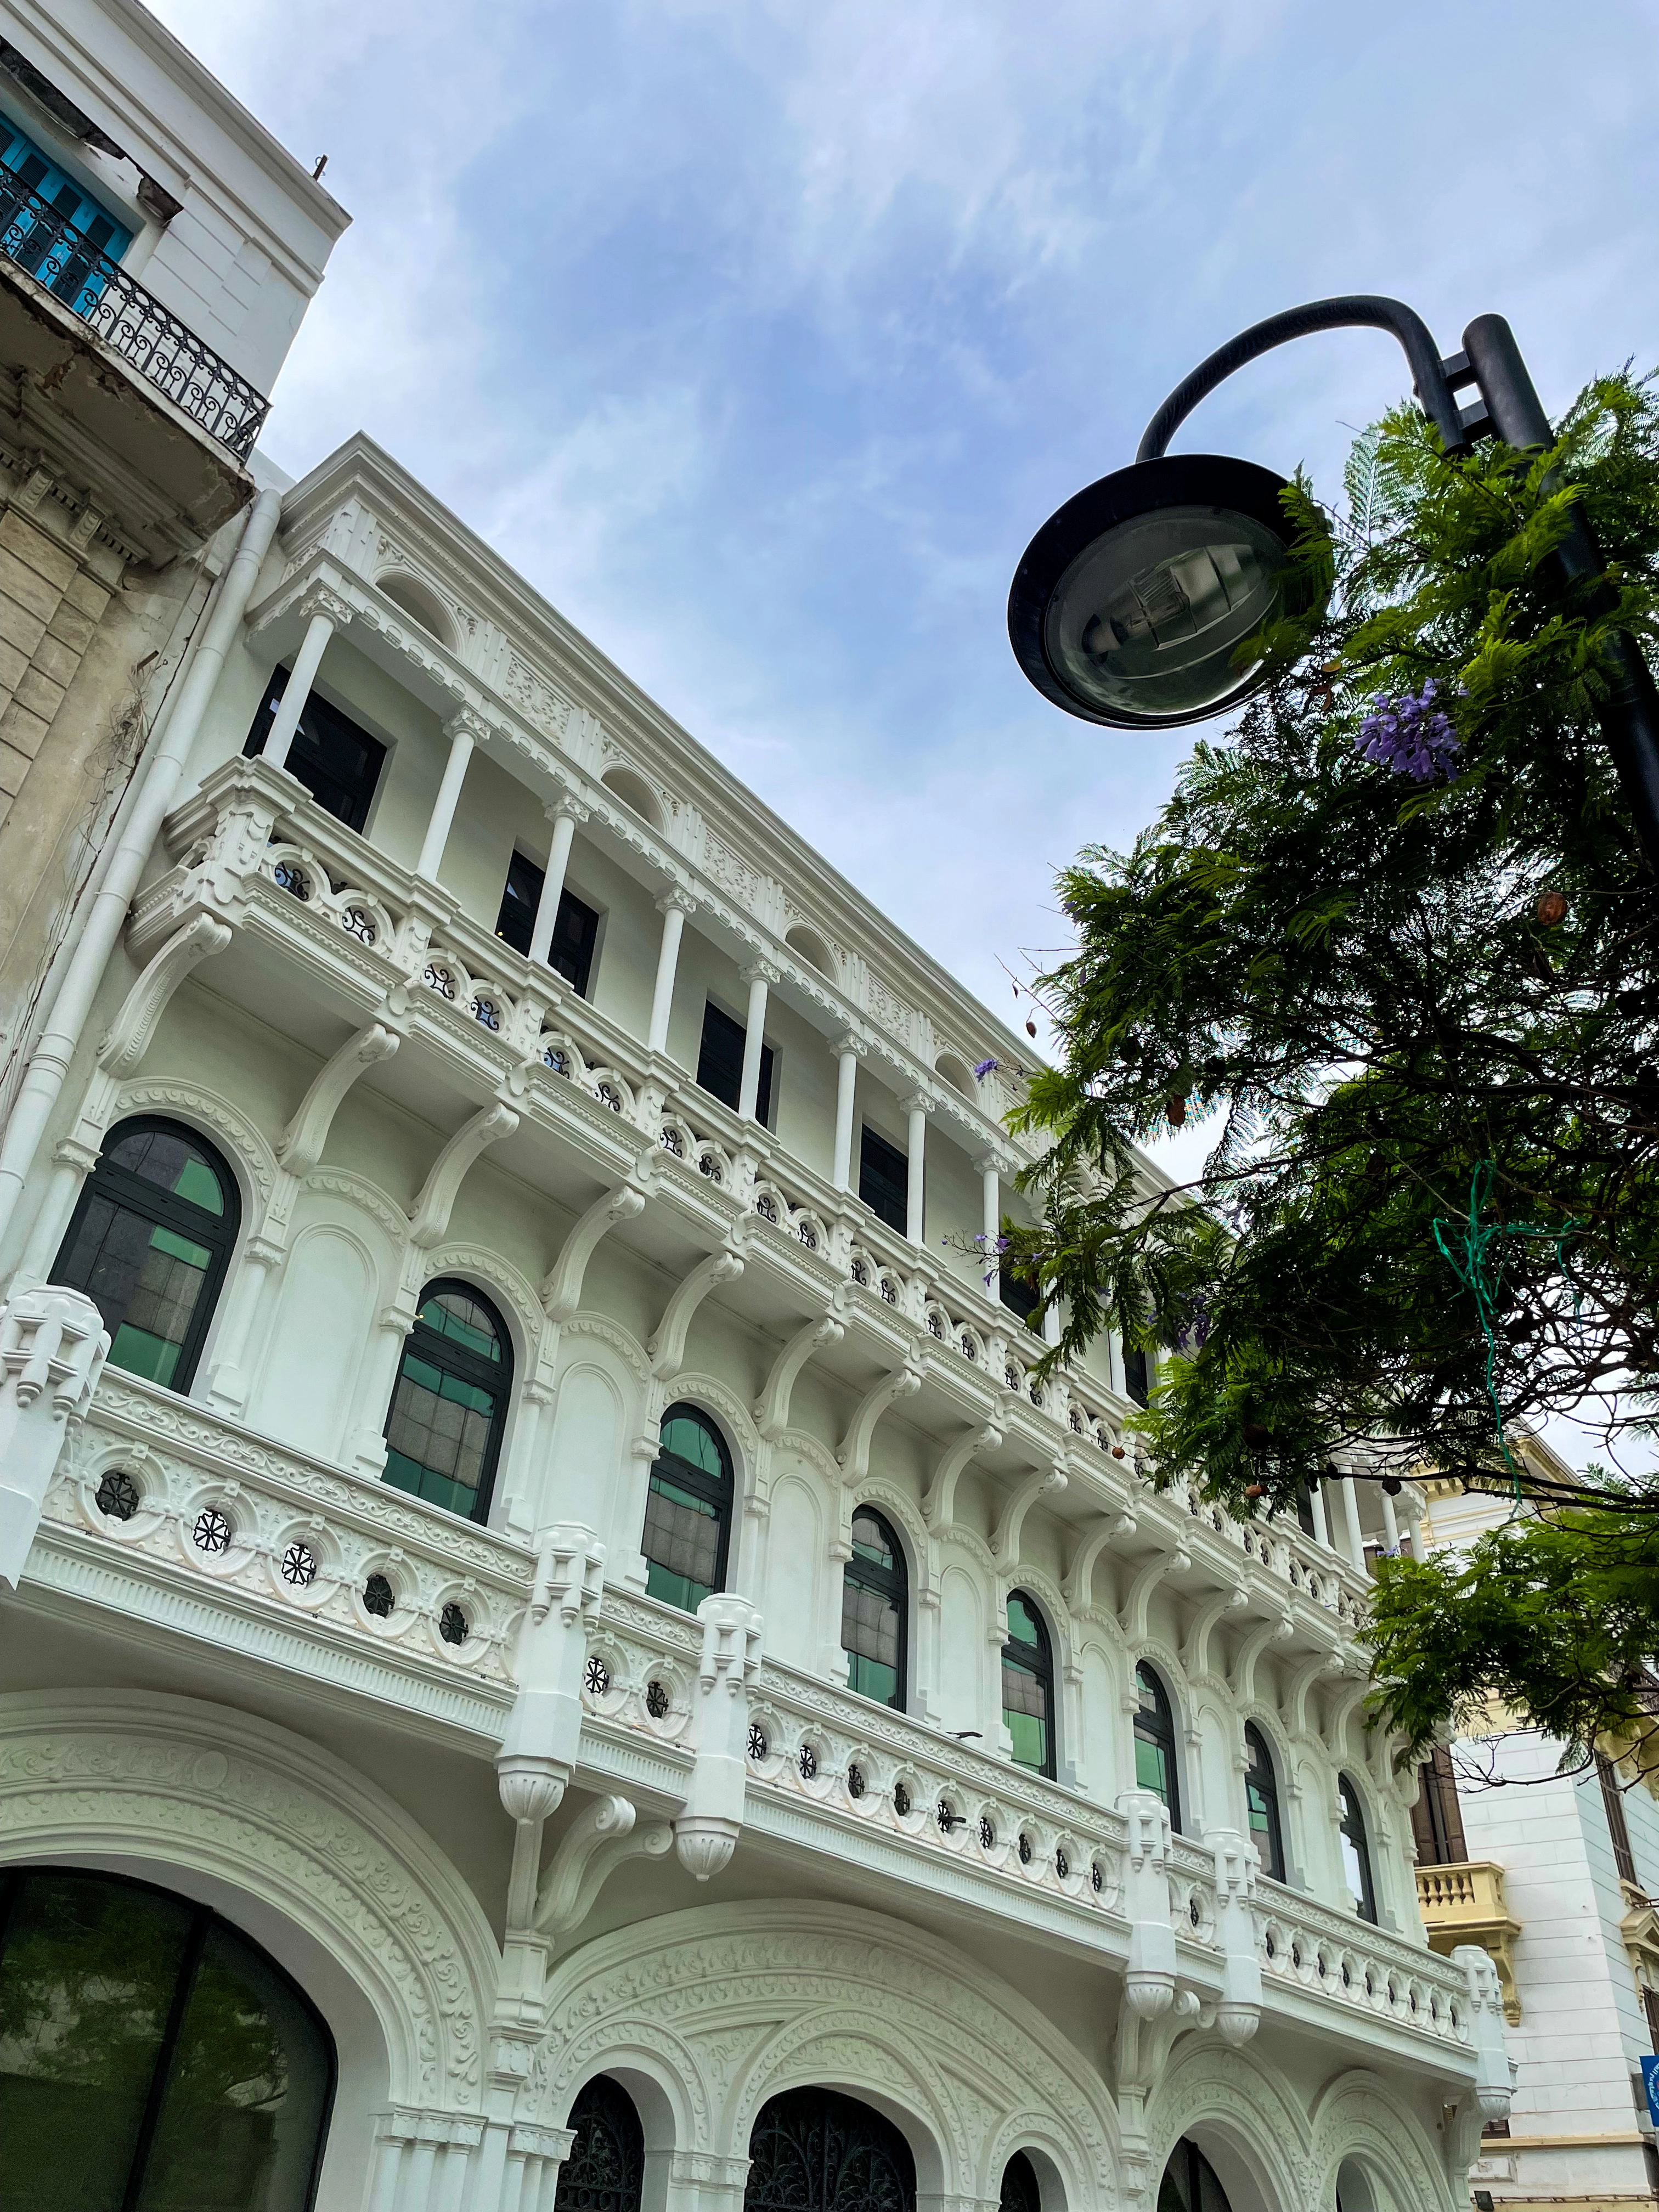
1393	940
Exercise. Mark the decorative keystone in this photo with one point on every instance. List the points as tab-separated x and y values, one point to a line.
52	1343
1238	2015
539	1751
1149	1981
706	1833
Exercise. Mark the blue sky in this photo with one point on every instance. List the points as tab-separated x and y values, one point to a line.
761	337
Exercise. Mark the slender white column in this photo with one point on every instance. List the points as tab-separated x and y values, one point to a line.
1390	1523
1316	1499
1350	1522
161	772
758	975
558	858
673	907
918	1108
990	1221
462	733
292	704
849	1050
1051	1326
73	1164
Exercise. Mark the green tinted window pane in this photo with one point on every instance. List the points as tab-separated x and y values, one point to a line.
1021	1625
180	1248
198	1183
423	1372
1030	1737
85	1985
872	1678
680	1542
1151	1770
692	1440
869	1542
463	1320
1259	1821
136	1351
246	2095
670	1588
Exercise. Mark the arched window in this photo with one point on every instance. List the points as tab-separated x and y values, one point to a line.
1020	2192
688	1511
153	2055
813	2150
150	1243
443	1427
1155	1742
1261	1793
1189	2182
605	2169
1356	1850
874	1604
1027	1686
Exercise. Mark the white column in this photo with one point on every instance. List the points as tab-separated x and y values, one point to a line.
918	1108
291	705
564	819
673	907
1351	1523
757	975
72	1163
462	731
229	1384
991	1220
1391	1524
847	1069
1051	1325
1316	1499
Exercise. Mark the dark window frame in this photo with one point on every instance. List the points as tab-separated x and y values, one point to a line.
1259	1761
719	1491
573	950
731	1040
894	1584
1137	1374
1352	1827
452	1358
1037	1661
1159	1728
221	1233
203	1922
894	1210
1612	1804
320	711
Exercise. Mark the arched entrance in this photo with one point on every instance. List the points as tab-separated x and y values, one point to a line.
150	2054
1020	2192
605	2170
1190	2183
813	2150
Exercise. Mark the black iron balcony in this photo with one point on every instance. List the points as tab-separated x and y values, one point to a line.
44	242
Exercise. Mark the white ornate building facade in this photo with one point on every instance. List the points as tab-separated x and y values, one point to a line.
555	1655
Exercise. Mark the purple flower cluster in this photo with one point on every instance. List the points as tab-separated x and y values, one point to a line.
1410	735
982	1068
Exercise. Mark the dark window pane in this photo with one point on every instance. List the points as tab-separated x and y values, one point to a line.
144	1279
871	1541
1135	1379
1027	1686
1023	1623
682	1543
883	1180
1017	1294
691	1439
246	2094
719	1060
575	932
87	1985
438	1432
1356	1850
520	899
454	1314
169	1159
338	762
1154	1741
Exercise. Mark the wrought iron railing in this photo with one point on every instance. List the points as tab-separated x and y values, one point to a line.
44	242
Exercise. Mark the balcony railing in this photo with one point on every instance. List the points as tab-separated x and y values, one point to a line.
1464	1903
42	240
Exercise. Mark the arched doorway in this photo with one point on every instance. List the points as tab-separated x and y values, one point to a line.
1190	2183
812	2150
150	2054
605	2169
1020	2192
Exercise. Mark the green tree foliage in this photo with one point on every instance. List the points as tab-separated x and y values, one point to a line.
1422	1021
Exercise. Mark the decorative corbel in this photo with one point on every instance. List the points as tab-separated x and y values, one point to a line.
938	1506
1045	1482
706	1834
1276	1629
539	1750
430	1219
1133	1619
561	1290
127	1039
772	1406
302	1141
1196	1657
1324	1666
1489	2099
1239	2012
604	1835
1077	1589
667	1346
854	1454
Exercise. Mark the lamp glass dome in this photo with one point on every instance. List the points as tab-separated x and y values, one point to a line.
1131	602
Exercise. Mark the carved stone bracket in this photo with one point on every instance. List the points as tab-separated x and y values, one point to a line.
706	1833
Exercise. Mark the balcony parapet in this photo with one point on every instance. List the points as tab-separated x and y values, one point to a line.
1464	1903
254	853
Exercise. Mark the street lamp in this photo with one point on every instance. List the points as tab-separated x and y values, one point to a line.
1129	605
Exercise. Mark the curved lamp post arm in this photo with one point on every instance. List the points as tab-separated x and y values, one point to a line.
1355	310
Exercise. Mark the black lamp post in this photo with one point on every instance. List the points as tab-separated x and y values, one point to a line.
1129	604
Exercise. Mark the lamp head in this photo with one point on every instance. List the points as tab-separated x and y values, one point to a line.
1130	602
